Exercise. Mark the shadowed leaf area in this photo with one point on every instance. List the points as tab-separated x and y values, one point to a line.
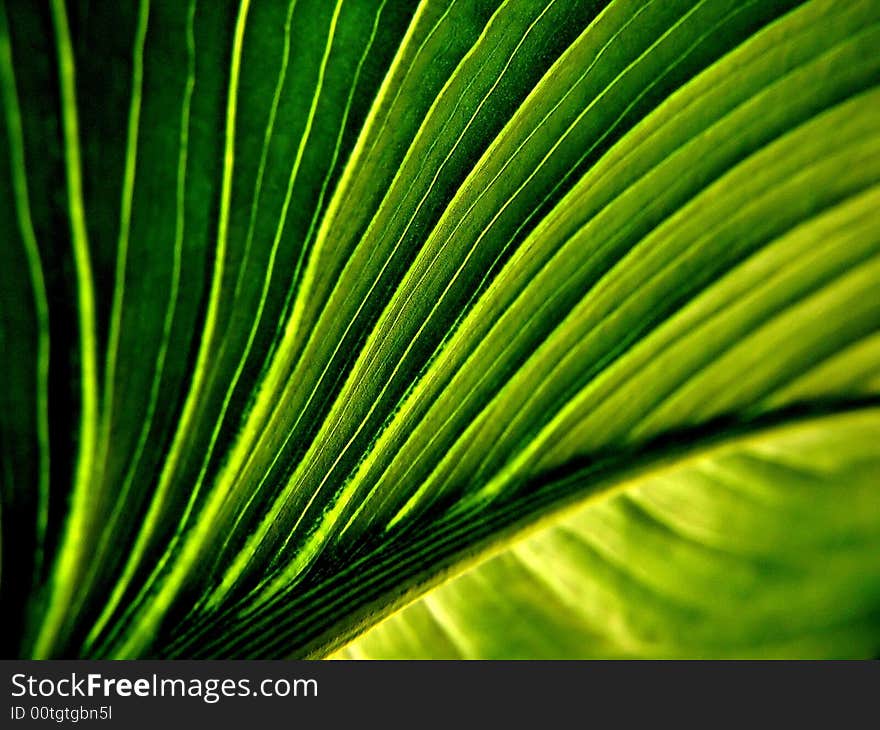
440	329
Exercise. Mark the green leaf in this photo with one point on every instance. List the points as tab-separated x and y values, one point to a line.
311	306
761	546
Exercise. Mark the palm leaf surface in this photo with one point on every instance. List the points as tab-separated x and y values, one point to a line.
310	305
